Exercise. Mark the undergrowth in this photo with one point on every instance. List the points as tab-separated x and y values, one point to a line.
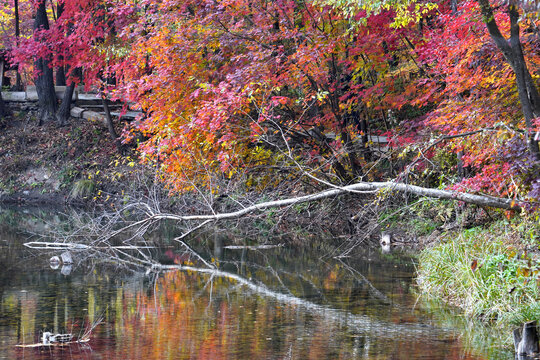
491	273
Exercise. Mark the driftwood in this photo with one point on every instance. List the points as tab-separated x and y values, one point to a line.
526	339
49	340
59	344
39	245
55	246
252	247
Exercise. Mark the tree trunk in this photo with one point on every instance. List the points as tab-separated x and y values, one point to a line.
18	83
366	150
60	76
44	81
3	109
513	53
61	70
354	163
454	6
63	113
110	124
17	28
526	339
528	93
460	169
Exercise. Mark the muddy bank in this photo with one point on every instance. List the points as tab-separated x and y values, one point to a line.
77	164
27	198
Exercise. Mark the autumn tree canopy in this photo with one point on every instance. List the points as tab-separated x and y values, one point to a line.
441	93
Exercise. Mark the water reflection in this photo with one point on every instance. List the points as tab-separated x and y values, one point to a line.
278	303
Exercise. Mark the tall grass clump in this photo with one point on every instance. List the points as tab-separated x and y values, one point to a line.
483	272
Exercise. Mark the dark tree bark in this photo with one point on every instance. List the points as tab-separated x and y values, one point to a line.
110	124
454	6
61	76
513	53
61	70
18	84
63	113
44	81
526	339
17	28
365	140
3	109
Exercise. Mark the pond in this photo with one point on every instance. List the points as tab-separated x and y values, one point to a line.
285	302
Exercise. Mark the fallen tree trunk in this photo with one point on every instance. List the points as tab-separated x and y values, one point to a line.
482	200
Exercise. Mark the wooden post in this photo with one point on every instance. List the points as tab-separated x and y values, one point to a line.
526	339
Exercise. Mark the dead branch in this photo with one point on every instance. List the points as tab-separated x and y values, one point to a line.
482	200
39	245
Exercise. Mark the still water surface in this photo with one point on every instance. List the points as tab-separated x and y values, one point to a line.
290	302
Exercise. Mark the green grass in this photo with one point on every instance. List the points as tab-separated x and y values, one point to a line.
480	271
83	188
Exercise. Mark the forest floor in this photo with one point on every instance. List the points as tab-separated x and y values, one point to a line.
77	164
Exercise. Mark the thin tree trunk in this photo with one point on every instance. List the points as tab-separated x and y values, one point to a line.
528	93
18	83
3	110
460	169
529	96
17	26
366	150
110	123
61	70
63	113
454	6
44	81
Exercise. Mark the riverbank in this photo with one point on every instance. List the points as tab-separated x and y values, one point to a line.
484	262
78	164
491	272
